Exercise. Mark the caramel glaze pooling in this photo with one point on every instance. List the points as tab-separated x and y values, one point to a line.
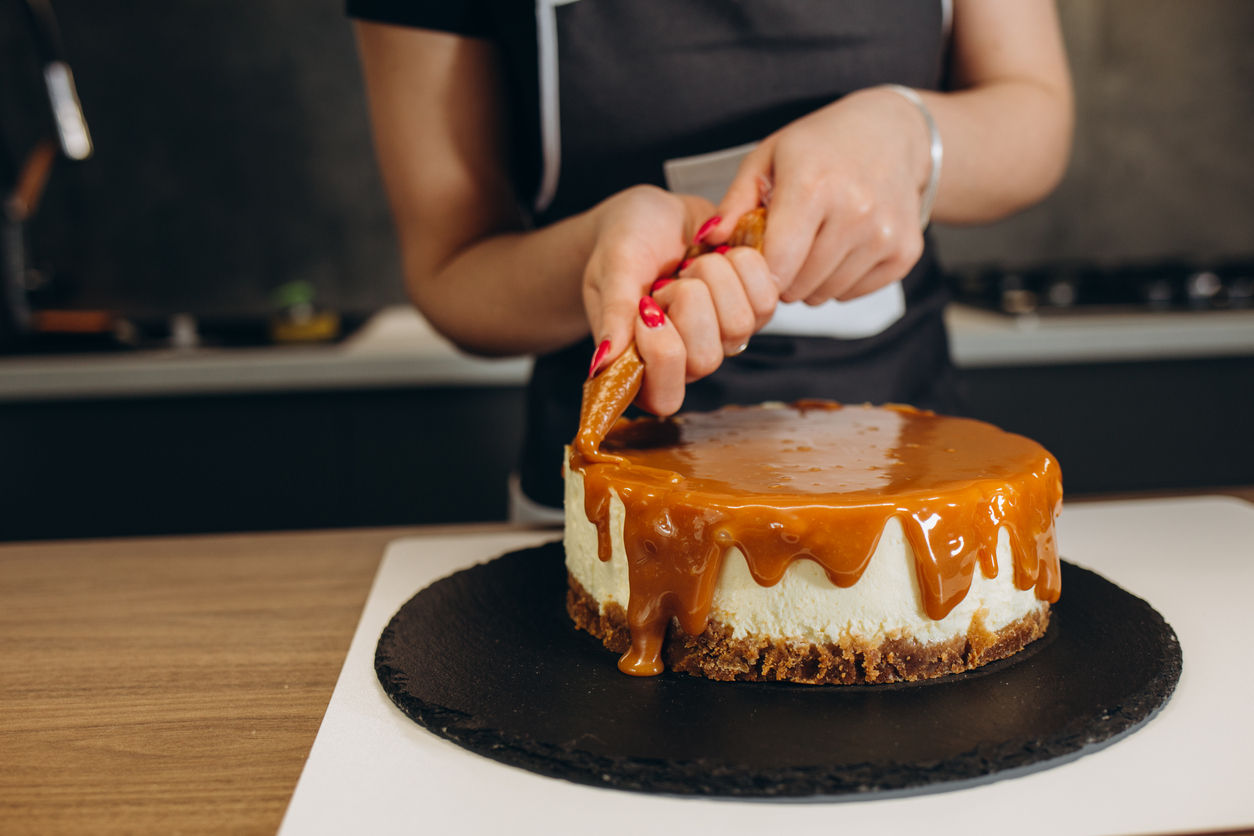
815	481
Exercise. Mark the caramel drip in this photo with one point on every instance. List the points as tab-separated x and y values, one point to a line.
607	395
815	481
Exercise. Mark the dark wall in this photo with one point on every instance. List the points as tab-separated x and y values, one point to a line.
232	155
233	151
1161	165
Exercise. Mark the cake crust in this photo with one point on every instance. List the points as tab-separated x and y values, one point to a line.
716	654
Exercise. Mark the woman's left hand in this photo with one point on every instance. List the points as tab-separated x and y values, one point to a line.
845	190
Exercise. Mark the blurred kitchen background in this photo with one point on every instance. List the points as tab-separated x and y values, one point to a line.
205	330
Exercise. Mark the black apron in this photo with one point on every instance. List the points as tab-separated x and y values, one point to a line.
639	82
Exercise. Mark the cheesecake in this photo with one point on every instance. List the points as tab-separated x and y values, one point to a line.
811	542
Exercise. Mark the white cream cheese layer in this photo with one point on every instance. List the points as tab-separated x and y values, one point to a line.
885	603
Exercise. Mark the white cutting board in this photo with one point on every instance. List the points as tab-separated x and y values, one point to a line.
372	770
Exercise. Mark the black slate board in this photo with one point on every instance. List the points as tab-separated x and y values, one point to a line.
488	659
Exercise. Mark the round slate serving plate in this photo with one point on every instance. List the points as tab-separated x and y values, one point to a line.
489	659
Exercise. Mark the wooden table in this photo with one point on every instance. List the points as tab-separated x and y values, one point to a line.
174	685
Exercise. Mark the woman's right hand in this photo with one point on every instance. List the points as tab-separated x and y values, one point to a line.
684	328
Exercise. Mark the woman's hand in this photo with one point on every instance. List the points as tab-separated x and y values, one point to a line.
682	328
844	205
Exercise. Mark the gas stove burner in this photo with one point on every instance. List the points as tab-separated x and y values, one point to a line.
1083	288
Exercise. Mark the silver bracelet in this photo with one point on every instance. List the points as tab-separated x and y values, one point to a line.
936	148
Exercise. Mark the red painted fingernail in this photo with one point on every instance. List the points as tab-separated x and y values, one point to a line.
722	248
659	284
651	313
705	229
683	265
598	358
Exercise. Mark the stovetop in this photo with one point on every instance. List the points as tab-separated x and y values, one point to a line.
1070	287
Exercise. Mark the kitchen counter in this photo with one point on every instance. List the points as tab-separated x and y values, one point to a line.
397	348
981	338
140	691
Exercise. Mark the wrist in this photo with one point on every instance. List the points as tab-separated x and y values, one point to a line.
622	205
932	149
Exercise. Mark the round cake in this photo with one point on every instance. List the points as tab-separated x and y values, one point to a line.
812	542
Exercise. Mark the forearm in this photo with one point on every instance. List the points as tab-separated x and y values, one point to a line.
1006	145
509	293
437	109
1007	126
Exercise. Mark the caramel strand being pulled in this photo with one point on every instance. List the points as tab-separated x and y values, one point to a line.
605	399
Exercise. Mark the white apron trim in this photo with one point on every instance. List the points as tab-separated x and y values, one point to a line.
550	114
865	316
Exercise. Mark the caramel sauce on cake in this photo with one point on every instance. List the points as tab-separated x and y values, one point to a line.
814	481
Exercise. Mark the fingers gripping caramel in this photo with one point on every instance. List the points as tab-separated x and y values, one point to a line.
607	395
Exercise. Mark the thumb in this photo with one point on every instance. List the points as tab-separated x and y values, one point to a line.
745	192
614	287
617	331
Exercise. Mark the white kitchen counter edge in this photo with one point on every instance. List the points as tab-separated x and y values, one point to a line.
398	349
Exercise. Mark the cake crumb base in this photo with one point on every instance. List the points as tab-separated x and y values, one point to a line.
716	655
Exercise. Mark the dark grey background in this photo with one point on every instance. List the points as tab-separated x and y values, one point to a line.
233	151
1162	165
232	155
